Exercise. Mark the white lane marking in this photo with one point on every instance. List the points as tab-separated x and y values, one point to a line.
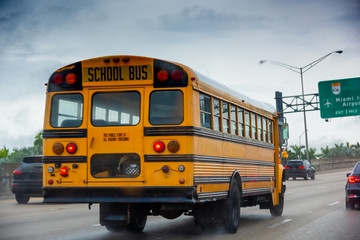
334	203
289	192
321	187
279	223
96	225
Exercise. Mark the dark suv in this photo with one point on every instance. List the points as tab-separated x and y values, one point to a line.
299	168
27	179
352	188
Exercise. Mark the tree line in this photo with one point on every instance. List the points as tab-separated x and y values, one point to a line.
17	154
337	151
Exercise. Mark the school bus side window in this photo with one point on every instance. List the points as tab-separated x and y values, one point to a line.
217	116
234	129
265	130
225	114
247	124
115	109
66	110
166	107
260	133
241	122
270	129
205	111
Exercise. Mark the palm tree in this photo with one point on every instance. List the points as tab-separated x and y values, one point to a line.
325	152
312	154
298	151
338	150
4	154
38	143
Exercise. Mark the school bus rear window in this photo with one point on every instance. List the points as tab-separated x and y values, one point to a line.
66	110
115	109
166	107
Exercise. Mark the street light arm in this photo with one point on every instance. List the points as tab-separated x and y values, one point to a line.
310	65
292	68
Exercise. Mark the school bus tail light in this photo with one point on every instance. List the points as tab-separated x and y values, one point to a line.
68	78
71	148
173	146
159	146
58	79
168	74
162	75
176	75
58	148
64	171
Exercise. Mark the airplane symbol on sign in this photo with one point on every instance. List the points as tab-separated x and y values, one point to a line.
327	104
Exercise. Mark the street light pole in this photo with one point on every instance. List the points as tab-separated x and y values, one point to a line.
305	126
302	70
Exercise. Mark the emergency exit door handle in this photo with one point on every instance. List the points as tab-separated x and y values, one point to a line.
91	142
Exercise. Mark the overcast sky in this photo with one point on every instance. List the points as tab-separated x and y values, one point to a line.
222	39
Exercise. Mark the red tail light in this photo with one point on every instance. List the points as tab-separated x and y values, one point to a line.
302	167
17	172
64	171
353	179
176	75
162	75
159	146
58	79
71	148
70	78
287	167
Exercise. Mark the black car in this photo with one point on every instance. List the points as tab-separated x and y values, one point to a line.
352	188
299	168
27	179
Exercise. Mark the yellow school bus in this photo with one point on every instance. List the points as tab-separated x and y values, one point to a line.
143	136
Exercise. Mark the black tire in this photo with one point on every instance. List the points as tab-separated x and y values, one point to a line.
306	177
313	177
233	204
138	218
276	211
116	228
22	199
294	178
349	205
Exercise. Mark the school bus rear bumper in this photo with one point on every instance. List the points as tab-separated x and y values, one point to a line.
126	195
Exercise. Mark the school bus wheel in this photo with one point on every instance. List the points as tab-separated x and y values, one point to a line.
232	219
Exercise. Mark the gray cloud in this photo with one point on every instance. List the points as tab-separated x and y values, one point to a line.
203	19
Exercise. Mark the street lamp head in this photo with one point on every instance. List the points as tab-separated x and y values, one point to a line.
339	51
262	61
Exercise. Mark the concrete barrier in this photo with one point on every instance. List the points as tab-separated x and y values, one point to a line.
329	164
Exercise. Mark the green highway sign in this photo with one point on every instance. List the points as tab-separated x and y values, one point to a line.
339	98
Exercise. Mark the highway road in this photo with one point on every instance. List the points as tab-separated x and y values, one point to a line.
314	209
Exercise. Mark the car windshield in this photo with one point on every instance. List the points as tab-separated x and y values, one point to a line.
294	164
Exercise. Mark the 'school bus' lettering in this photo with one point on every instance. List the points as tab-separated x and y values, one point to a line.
117	73
142	136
